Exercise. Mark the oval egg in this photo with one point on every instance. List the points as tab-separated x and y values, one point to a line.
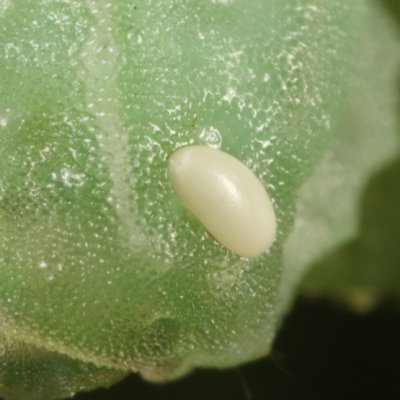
226	197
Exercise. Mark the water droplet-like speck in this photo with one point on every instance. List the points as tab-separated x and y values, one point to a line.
211	137
42	265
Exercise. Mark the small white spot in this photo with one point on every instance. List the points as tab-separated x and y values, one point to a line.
155	128
3	122
230	95
264	143
267	77
42	265
70	179
223	2
211	137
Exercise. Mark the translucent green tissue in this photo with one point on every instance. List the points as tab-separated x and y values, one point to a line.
102	271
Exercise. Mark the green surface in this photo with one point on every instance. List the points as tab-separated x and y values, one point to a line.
348	222
99	263
365	269
32	373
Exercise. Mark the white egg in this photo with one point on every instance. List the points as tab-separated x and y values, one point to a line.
226	197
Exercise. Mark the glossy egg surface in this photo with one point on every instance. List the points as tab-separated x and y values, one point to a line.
226	197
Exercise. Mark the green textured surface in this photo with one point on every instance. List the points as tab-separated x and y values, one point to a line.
366	268
347	227
31	373
98	261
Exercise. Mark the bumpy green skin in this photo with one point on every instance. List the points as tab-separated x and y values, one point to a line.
33	373
365	267
98	260
348	211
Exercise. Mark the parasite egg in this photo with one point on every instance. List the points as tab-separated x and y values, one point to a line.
226	197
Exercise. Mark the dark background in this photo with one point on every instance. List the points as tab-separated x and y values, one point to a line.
323	351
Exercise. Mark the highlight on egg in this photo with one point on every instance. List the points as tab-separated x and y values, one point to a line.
226	197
